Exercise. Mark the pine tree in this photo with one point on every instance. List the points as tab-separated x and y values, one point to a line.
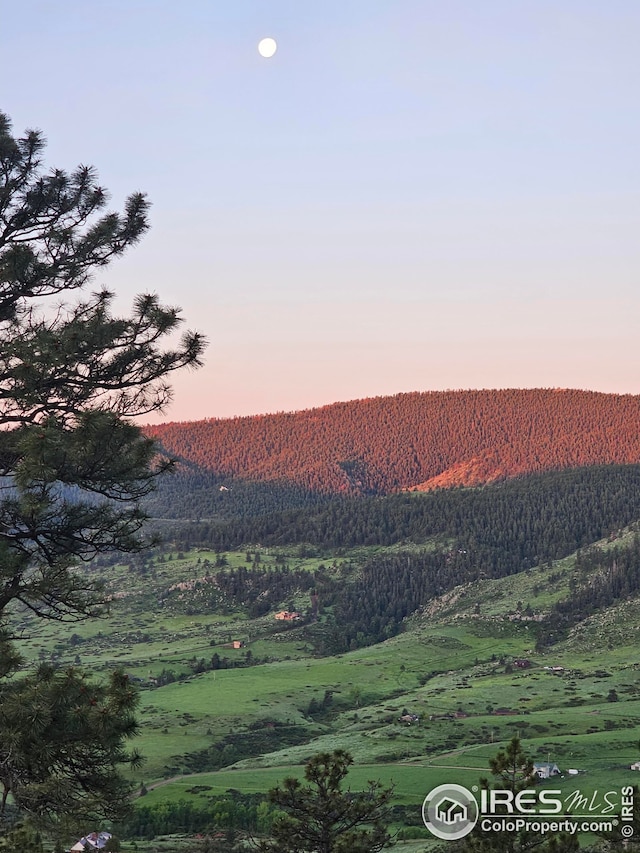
73	464
513	771
322	817
63	740
512	767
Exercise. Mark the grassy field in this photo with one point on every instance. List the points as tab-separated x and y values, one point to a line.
454	667
411	783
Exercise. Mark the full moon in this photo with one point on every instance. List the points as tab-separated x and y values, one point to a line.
267	47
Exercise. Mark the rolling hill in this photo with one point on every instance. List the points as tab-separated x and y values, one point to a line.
417	441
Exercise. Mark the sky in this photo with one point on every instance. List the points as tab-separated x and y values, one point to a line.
410	195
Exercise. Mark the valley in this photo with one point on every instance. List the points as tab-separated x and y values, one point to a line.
468	670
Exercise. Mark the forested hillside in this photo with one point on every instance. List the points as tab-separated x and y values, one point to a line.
440	540
503	527
418	440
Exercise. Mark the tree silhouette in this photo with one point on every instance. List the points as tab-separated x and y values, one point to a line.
321	817
73	464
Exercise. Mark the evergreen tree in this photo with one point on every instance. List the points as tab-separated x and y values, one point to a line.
63	739
512	770
73	465
321	817
72	374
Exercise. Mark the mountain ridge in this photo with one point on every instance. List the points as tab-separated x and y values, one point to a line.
415	440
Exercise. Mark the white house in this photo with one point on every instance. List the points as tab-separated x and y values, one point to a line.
92	841
545	769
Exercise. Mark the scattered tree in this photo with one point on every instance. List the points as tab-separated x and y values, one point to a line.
321	817
512	770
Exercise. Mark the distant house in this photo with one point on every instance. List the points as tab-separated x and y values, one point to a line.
288	615
546	769
234	644
409	718
93	841
635	765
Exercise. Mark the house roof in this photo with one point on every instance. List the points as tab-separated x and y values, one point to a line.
545	765
95	840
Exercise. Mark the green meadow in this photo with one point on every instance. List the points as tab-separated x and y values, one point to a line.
273	704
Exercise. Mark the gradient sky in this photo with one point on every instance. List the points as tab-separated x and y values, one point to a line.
410	196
